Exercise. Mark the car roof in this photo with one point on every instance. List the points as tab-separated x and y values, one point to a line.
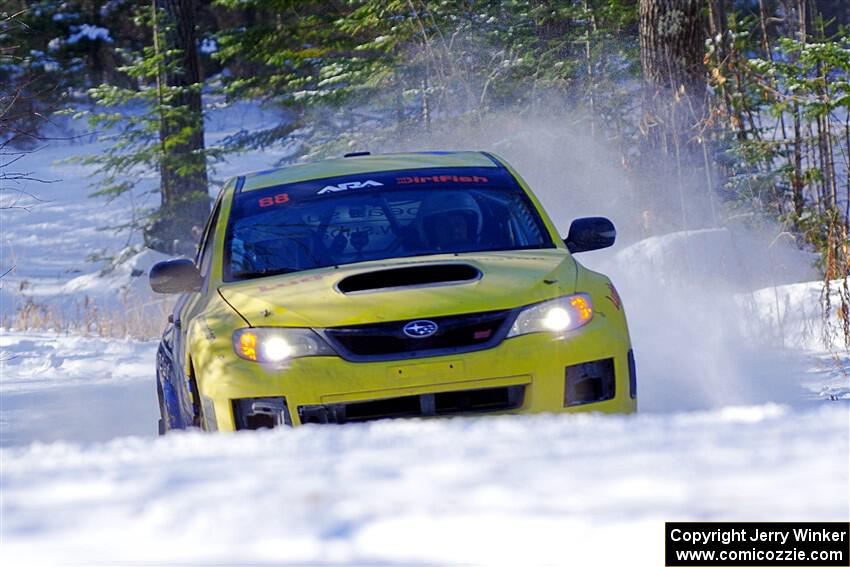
364	164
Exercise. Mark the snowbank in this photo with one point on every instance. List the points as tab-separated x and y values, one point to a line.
794	314
56	387
735	259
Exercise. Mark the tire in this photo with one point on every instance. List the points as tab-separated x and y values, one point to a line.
195	395
163	412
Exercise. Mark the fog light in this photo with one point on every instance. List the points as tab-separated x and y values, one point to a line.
589	382
259	413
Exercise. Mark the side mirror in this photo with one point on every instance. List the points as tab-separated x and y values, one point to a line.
590	233
175	276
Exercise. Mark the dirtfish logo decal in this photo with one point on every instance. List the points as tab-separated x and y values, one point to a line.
350	185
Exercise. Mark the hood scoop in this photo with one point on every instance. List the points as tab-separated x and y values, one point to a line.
411	276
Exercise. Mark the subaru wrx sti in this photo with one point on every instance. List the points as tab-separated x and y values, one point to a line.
399	285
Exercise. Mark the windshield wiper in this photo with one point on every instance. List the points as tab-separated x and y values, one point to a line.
264	273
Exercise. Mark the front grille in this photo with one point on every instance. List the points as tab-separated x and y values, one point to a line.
455	334
425	405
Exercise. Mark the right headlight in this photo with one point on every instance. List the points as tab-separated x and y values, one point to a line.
276	345
559	315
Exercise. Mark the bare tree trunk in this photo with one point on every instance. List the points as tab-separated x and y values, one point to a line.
797	180
183	174
588	12
671	44
672	40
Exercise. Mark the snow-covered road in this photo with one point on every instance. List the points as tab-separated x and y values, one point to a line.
529	490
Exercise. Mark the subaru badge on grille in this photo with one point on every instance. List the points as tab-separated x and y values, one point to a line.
420	329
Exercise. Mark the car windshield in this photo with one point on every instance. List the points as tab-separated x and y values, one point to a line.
297	227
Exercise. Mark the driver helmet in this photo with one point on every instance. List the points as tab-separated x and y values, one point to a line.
450	218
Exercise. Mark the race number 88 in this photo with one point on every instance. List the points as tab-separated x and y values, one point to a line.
278	199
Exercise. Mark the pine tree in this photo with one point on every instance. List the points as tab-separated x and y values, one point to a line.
157	126
182	159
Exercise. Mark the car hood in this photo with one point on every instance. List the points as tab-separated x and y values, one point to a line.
313	298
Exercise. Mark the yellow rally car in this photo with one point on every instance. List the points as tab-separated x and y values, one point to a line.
368	287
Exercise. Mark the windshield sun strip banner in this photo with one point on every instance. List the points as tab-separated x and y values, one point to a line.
256	200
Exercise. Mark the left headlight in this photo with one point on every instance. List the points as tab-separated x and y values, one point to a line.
559	315
278	344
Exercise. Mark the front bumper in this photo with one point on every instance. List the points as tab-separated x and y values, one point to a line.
535	365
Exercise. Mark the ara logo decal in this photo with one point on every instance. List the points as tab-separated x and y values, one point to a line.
615	297
420	329
349	185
